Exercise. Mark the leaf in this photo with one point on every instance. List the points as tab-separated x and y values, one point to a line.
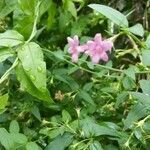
5	139
145	57
35	111
3	101
145	86
59	54
137	29
121	97
32	146
10	38
95	146
141	97
8	8
19	138
148	41
14	127
27	6
86	97
60	142
66	116
51	14
90	128
70	6
4	54
29	86
114	15
130	72
31	57
128	83
137	112
23	24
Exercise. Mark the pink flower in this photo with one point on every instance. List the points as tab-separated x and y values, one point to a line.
97	49
75	48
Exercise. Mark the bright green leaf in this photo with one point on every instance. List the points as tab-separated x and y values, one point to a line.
27	84
34	66
145	57
145	85
4	54
111	13
32	146
51	14
10	5
137	112
19	138
14	127
3	101
137	29
5	139
66	116
10	38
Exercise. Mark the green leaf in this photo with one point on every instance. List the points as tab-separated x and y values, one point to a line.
112	14
66	116
137	112
27	84
145	86
137	29
19	138
86	97
121	97
27	6
70	6
90	128
130	72
10	38
23	24
51	14
128	83
3	101
141	97
5	139
148	41
35	111
4	54
34	66
32	146
95	146
14	127
145	57
8	8
60	142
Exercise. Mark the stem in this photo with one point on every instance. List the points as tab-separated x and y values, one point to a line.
102	66
35	22
3	78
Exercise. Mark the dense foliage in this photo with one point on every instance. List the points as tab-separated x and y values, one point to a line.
48	101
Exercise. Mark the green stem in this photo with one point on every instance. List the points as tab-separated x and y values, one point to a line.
35	22
6	74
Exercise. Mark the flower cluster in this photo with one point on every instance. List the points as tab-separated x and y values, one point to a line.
96	48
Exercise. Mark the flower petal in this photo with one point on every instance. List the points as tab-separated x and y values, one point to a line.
96	58
107	45
74	57
104	56
98	38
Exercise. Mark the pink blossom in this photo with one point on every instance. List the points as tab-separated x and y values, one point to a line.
97	49
75	48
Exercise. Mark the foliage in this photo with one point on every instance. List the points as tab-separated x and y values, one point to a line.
49	102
